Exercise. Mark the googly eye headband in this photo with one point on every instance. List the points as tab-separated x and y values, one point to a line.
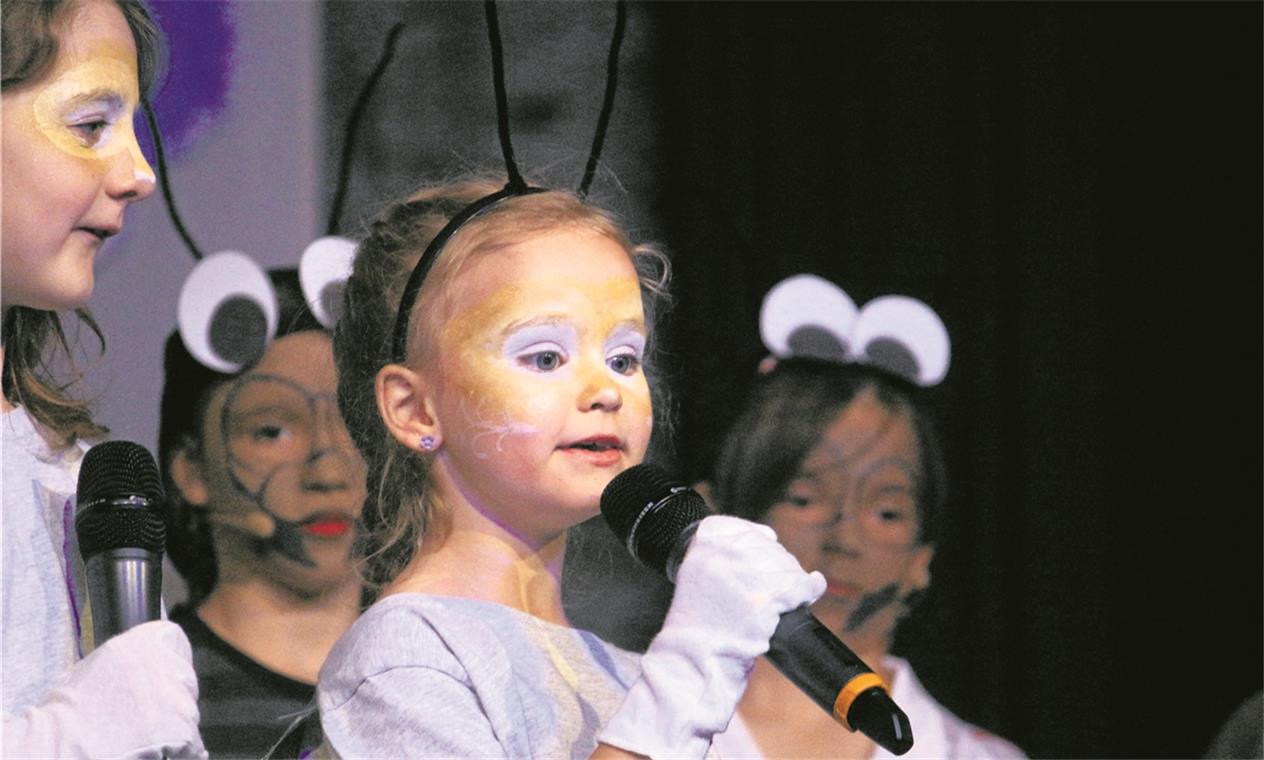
516	185
228	310
810	317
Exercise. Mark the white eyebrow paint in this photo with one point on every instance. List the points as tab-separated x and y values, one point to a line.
525	337
628	334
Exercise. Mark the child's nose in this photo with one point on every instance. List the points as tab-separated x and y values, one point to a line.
327	467
131	178
600	393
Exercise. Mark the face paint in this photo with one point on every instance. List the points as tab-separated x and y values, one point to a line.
851	513
271	429
71	162
282	467
87	112
494	402
538	386
870	604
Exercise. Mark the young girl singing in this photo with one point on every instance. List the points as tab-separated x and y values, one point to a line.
491	420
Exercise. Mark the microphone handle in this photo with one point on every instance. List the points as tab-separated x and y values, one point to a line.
812	657
124	590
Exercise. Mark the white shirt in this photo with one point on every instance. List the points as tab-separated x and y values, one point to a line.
937	733
43	593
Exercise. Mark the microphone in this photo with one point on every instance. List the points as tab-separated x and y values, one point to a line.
656	518
121	531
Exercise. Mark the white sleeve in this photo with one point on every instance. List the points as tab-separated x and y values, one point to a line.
133	697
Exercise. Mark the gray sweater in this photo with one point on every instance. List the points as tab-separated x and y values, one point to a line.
430	676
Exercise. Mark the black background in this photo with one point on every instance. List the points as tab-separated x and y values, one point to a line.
1074	187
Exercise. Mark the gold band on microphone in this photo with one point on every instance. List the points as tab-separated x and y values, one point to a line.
852	689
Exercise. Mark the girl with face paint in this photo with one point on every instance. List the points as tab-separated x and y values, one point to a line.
520	391
73	74
842	462
265	490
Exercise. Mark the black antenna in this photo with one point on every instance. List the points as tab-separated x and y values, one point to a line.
353	123
502	100
607	105
152	122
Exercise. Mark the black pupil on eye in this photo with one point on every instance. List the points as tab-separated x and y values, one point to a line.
546	360
620	363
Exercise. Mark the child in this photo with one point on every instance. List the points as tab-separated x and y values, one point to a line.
835	450
264	495
72	77
520	394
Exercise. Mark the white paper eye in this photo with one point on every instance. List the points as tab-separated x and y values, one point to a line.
227	311
904	336
807	316
323	271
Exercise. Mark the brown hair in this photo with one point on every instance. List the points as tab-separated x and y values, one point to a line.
30	44
33	337
785	416
400	507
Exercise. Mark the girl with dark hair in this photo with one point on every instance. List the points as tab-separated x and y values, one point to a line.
73	77
835	450
264	493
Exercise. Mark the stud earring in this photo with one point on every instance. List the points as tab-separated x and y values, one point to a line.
428	443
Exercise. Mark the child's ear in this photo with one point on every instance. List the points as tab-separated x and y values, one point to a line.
186	473
406	407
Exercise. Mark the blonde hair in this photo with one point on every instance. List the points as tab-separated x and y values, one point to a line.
400	507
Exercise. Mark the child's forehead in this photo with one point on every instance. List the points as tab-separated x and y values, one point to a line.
566	264
95	30
547	297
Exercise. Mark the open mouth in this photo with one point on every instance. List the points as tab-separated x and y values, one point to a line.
595	446
602	450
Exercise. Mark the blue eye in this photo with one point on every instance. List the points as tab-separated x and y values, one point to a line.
624	364
543	361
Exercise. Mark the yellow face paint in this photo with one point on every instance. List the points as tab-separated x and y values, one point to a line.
87	110
595	319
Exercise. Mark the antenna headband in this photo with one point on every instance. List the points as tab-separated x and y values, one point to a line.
399	336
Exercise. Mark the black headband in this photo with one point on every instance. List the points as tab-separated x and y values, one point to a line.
516	186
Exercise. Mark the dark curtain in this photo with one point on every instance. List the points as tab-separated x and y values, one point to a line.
1076	188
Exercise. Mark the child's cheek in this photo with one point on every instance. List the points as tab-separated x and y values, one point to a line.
636	399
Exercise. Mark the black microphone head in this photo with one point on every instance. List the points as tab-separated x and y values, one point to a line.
120	500
648	511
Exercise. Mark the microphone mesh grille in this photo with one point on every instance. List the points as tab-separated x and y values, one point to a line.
118	469
114	526
648	511
120	500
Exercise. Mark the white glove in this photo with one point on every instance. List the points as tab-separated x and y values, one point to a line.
134	696
733	586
